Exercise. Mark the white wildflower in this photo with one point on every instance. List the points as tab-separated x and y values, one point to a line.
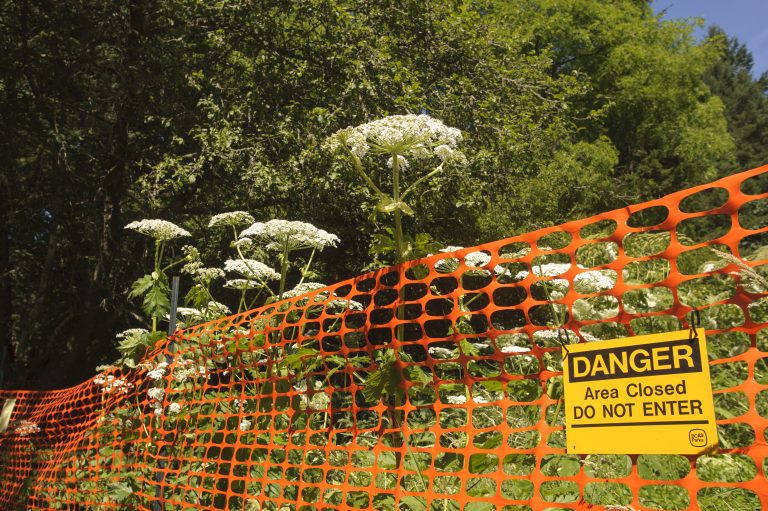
245	425
110	383
156	393
292	235
158	371
418	136
444	152
230	219
132	332
453	399
450	264
217	309
251	269
174	408
595	281
402	163
156	374
303	288
26	428
157	410
515	349
241	284
158	229
477	259
243	243
189	314
342	305
550	269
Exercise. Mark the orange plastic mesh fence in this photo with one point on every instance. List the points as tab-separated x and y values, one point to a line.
266	410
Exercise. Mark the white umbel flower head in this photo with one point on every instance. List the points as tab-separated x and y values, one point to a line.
449	265
217	309
477	259
402	162
251	269
156	393
303	288
208	275
174	408
245	425
231	219
417	136
26	428
162	230
132	332
240	284
290	234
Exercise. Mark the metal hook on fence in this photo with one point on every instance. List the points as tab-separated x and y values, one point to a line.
694	322
565	344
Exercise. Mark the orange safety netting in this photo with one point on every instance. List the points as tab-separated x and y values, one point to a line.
266	409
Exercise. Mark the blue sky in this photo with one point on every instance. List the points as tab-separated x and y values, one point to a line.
745	19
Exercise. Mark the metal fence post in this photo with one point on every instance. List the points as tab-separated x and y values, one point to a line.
162	463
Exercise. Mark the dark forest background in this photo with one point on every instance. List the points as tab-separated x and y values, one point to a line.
179	109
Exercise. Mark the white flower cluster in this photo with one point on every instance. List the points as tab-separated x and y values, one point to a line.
159	229
208	275
230	219
245	425
342	304
477	259
240	284
132	332
597	280
156	393
158	372
550	269
417	136
186	370
216	309
189	314
290	234
251	269
109	383
303	288
504	272
26	428
243	243
174	408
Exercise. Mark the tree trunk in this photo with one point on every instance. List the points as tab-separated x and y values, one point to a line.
6	302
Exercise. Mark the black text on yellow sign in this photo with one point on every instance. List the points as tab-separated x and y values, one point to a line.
649	394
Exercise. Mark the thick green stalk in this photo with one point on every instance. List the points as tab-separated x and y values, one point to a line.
283	268
306	267
400	255
358	166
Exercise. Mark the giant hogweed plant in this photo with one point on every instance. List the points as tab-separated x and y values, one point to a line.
405	143
398	147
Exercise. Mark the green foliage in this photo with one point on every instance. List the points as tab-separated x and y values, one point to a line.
184	109
156	292
744	97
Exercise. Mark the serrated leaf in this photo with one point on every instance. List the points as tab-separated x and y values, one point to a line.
385	380
197	296
140	286
120	491
302	361
157	300
468	349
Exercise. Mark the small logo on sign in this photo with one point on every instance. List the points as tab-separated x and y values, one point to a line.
697	437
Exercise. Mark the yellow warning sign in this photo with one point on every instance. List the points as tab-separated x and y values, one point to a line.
649	394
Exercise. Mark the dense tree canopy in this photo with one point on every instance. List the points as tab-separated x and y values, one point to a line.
180	109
